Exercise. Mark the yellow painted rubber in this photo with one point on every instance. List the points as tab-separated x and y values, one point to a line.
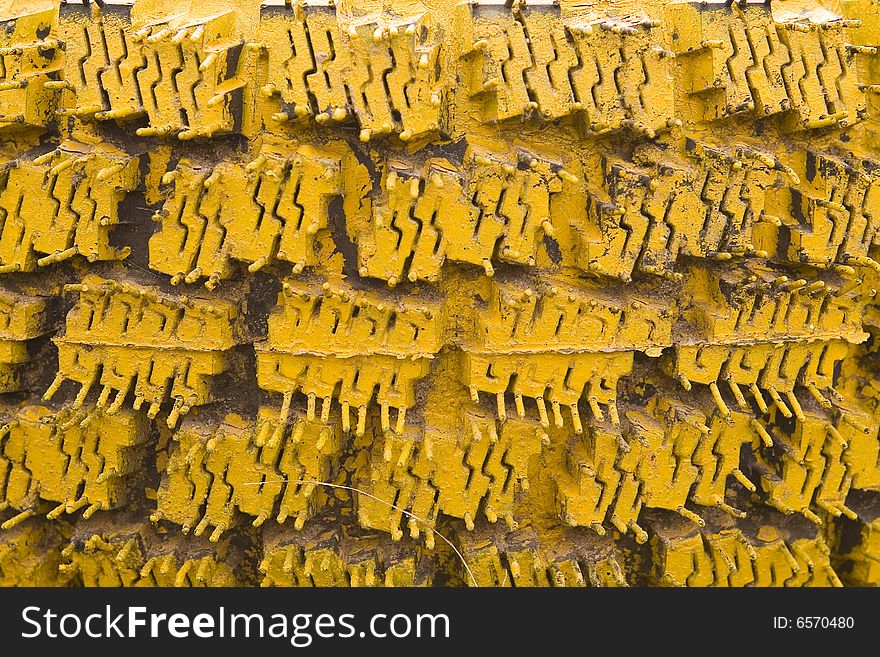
439	293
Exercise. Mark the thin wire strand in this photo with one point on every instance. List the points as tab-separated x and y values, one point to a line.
387	503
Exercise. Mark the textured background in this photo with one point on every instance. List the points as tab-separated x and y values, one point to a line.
439	294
